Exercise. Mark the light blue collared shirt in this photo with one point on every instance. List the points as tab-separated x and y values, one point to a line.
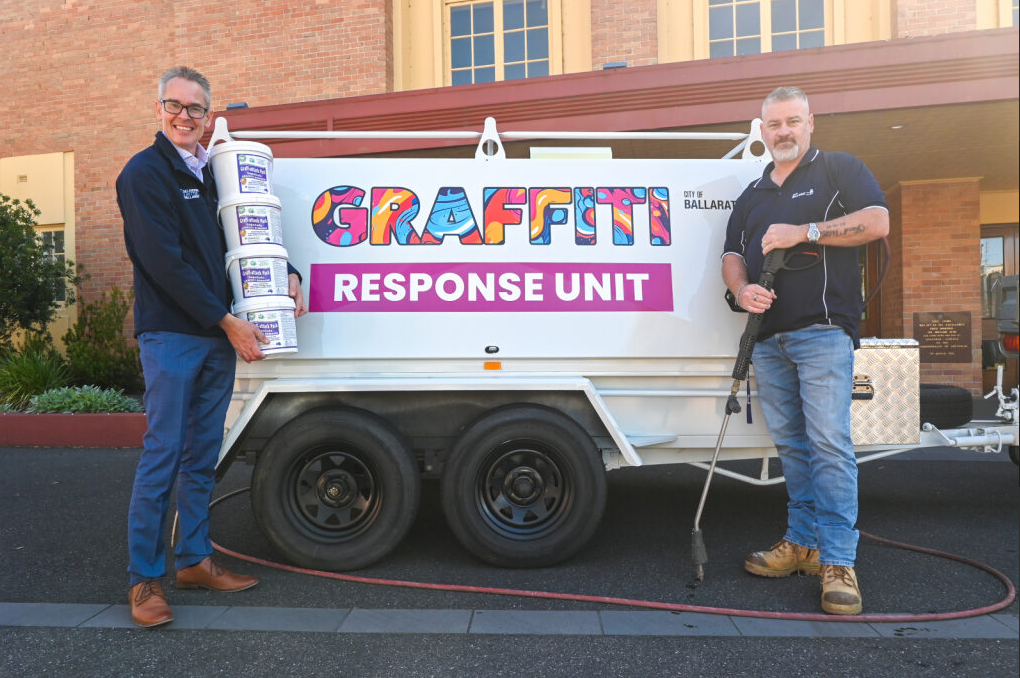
194	162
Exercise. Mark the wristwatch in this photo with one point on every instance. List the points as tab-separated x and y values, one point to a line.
813	234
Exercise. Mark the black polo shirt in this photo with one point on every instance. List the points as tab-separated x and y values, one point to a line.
822	187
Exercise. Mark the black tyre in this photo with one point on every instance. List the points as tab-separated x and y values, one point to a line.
335	489
524	487
945	406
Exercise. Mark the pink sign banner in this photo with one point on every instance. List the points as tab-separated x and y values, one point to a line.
516	287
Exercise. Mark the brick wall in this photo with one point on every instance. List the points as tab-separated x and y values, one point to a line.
914	18
935	230
624	31
81	76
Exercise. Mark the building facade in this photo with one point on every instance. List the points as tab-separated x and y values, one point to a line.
925	91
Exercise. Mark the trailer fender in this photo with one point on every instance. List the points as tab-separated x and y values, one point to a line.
235	437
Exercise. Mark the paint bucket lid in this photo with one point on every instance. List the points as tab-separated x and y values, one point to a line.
250	199
267	303
257	250
240	147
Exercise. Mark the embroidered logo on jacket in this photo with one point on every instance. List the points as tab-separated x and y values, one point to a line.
190	193
803	194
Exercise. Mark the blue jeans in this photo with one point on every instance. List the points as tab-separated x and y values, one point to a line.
188	382
805	379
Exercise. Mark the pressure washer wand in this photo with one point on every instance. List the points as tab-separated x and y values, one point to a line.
774	261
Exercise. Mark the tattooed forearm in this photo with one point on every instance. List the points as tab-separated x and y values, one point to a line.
841	228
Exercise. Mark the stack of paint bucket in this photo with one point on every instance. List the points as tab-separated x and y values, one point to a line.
256	260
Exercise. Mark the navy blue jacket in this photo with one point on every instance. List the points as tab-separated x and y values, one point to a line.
822	187
175	243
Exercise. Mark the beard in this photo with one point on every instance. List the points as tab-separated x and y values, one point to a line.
786	154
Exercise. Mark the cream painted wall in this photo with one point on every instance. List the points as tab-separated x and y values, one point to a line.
38	177
1000	207
994	13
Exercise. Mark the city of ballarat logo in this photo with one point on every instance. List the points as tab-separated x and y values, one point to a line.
698	204
189	193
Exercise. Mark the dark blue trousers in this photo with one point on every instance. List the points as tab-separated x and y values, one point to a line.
188	382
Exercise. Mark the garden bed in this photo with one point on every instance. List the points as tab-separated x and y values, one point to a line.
71	430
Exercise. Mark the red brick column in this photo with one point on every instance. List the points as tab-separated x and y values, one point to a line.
624	31
914	18
935	266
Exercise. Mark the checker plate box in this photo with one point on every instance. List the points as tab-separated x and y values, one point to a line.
893	415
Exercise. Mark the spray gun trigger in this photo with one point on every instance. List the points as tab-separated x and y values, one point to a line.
732	405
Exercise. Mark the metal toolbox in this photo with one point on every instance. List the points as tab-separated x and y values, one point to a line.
886	409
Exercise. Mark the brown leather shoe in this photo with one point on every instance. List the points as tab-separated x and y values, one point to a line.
148	604
210	575
782	560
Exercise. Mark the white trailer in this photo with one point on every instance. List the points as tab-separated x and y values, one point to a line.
516	328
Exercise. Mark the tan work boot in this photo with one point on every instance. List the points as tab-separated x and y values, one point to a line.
782	560
840	594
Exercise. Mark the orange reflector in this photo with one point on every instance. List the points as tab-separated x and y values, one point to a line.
1011	342
494	366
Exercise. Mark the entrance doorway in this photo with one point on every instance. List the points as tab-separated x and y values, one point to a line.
998	258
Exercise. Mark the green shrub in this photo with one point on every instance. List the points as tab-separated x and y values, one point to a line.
80	399
34	279
97	350
36	368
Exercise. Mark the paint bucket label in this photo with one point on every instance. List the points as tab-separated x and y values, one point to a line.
253	173
259	224
274	316
242	168
251	221
262	276
257	271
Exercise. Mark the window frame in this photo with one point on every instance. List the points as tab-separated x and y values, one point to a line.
40	231
554	32
702	41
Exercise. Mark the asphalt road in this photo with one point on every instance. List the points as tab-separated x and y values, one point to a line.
62	541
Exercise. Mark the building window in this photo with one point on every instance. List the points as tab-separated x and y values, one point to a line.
498	40
53	241
797	24
739	27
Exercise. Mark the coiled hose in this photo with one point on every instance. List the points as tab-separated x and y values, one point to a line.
657	605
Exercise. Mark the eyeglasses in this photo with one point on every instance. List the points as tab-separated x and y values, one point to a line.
172	107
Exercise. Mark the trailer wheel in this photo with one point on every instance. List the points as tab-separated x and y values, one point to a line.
335	489
524	487
945	406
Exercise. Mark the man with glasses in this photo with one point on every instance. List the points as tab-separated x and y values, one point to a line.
189	344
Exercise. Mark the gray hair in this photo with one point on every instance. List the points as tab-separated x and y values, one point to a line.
188	74
784	94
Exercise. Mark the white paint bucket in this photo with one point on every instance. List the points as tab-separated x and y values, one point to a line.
242	168
275	317
257	271
251	221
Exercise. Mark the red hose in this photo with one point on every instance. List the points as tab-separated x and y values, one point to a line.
673	607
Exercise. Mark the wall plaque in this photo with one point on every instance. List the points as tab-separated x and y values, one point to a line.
943	337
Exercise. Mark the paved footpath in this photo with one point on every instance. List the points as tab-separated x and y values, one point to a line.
517	622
